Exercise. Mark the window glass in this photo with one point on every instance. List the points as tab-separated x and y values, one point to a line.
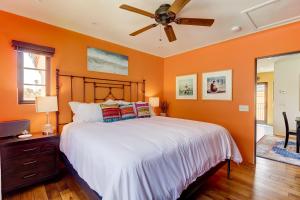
34	61
37	77
30	92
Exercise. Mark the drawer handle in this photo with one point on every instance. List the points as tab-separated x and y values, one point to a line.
29	176
29	163
32	149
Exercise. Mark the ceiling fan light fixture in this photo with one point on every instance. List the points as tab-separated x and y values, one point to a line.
165	15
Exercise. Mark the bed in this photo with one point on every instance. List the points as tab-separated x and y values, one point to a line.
149	158
145	158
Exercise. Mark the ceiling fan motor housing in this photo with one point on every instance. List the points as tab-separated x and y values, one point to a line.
163	15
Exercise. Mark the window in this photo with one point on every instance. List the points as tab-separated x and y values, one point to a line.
33	71
261	102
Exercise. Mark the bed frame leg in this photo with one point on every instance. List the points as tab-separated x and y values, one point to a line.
228	168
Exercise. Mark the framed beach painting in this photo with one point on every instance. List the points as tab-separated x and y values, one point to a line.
186	87
217	85
107	62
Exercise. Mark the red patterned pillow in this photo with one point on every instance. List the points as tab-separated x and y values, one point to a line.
127	111
110	112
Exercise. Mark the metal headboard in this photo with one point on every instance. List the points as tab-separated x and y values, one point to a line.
133	90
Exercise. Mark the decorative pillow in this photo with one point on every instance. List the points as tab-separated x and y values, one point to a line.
127	111
111	112
86	112
142	109
152	113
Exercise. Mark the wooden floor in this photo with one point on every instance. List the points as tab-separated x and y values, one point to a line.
268	180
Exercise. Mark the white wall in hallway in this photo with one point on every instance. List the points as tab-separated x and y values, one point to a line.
286	92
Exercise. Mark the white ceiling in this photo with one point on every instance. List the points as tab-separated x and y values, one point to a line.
103	19
267	64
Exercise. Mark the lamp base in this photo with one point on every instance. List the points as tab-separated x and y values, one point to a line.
163	114
48	129
24	136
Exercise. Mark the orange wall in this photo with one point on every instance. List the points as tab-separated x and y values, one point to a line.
238	55
71	58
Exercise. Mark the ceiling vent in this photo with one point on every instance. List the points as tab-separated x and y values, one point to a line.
273	13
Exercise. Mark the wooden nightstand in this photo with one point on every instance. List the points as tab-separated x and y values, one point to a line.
28	161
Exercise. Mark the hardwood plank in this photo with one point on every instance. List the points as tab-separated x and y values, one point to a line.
12	197
39	193
52	192
205	197
27	194
268	180
75	188
68	195
293	197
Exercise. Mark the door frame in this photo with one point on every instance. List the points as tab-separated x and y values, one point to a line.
255	81
266	102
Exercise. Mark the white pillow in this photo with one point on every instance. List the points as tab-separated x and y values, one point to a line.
86	112
110	101
74	106
121	102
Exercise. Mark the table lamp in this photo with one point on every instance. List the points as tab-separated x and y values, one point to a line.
46	104
154	102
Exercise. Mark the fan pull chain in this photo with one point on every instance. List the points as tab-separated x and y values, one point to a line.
160	39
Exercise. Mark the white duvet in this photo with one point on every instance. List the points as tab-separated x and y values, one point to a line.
150	158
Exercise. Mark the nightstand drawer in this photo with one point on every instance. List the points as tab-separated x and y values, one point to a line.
25	150
29	162
22	178
49	146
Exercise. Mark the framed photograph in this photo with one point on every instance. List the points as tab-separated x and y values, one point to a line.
186	87
217	85
107	62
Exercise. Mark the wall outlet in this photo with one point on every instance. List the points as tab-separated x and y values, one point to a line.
243	108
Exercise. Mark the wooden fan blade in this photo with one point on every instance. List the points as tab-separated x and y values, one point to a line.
170	33
177	6
195	21
137	10
143	29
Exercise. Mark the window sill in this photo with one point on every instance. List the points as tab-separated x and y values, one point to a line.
26	102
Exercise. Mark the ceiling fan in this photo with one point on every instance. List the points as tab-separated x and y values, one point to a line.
165	15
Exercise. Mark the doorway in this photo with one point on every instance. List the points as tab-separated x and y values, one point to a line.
277	91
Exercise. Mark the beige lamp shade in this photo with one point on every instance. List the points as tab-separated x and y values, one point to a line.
46	104
154	101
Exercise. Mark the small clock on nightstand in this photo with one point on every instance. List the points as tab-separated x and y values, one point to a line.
28	161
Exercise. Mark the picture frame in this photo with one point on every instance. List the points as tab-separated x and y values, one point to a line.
217	85
186	87
99	60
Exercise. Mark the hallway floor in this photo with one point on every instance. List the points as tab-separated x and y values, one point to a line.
262	130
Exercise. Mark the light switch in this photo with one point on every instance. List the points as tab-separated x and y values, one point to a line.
243	108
